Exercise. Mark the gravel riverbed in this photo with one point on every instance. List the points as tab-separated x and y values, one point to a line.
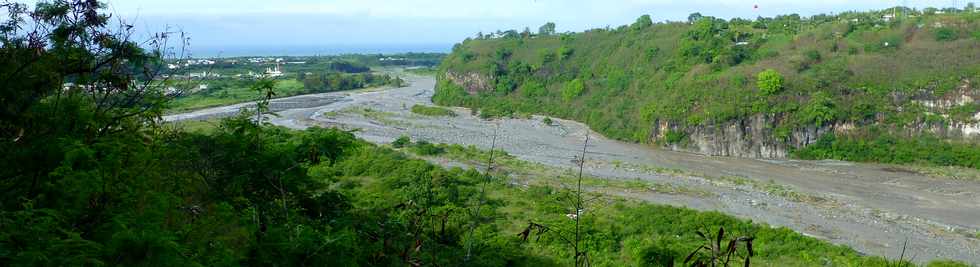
872	208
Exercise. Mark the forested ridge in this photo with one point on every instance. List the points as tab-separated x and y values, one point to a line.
92	177
879	84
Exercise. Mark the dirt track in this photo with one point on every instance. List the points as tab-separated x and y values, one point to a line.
873	208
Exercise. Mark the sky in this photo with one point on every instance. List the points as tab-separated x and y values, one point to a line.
338	26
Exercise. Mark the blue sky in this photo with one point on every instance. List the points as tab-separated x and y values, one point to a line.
352	23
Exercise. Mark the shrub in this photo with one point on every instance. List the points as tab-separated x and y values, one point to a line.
533	89
819	110
547	121
770	82
675	137
432	111
564	52
428	149
813	55
946	35
546	56
401	142
572	90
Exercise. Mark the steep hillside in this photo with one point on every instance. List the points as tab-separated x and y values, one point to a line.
861	82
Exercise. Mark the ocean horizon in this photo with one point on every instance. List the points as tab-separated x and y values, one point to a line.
223	51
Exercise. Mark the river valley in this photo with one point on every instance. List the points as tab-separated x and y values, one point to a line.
872	208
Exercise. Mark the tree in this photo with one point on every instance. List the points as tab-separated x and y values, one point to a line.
547	29
642	22
770	82
694	17
819	110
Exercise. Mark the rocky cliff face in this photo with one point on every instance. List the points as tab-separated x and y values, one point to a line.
753	137
472	82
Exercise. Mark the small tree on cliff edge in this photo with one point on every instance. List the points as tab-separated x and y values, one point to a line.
770	82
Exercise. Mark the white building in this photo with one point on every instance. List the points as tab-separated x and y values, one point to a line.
274	72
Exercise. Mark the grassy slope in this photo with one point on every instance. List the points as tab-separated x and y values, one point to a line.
623	232
634	76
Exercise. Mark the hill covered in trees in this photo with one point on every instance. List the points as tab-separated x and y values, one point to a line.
91	177
897	85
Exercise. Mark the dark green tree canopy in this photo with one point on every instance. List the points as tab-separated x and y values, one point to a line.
547	29
642	22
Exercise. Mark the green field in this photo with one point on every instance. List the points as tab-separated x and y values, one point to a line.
222	93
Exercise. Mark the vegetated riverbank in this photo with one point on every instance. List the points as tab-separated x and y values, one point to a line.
761	88
872	208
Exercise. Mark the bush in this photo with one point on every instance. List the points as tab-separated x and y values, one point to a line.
946	35
432	111
401	142
819	110
547	121
564	52
813	55
770	82
572	90
533	89
675	137
428	149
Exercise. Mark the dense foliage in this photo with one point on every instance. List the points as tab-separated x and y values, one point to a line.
854	68
335	81
883	147
91	178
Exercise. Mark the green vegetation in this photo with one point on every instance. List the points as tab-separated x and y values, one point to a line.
432	111
883	147
371	114
228	91
854	68
770	82
572	90
401	142
201	83
334	81
91	177
224	91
